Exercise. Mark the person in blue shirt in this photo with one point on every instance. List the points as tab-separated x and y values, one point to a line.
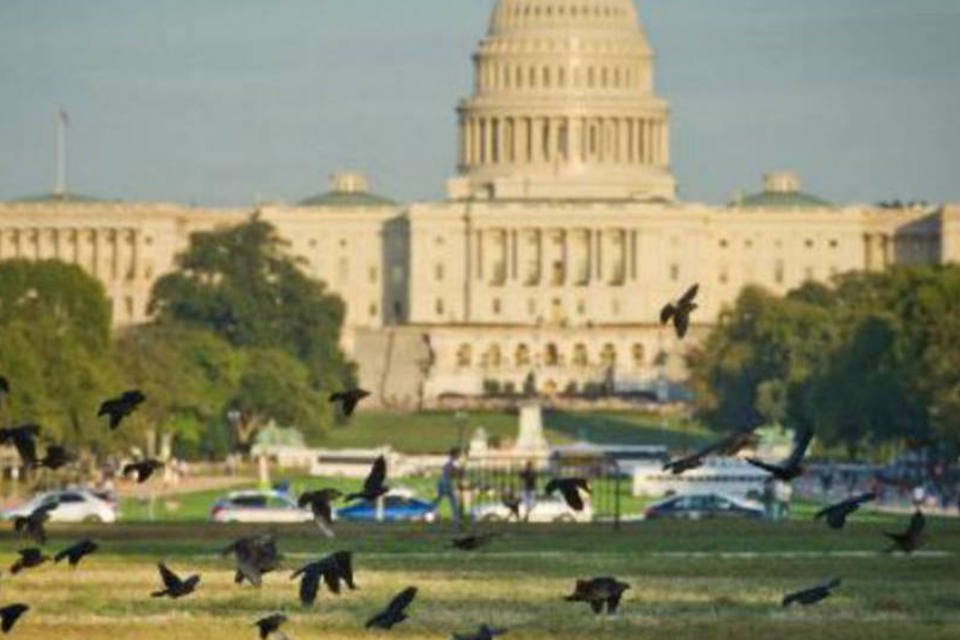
447	484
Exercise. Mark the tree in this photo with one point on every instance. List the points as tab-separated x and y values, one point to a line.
756	364
275	386
188	374
240	283
55	348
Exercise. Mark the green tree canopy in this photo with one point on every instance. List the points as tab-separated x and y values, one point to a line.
55	349
240	283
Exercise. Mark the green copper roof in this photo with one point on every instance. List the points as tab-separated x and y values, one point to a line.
347	199
777	200
58	197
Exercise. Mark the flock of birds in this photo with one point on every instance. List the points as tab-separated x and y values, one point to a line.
258	555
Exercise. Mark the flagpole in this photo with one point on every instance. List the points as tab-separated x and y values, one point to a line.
61	186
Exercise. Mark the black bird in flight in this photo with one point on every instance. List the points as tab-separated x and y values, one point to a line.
173	586
24	440
599	591
791	467
729	446
254	556
473	541
29	558
812	595
120	407
76	552
911	539
143	468
333	569
680	312
32	525
55	457
483	633
319	503
373	486
570	488
395	612
10	614
836	514
347	400
270	624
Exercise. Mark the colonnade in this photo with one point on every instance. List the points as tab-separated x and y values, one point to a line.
526	140
555	257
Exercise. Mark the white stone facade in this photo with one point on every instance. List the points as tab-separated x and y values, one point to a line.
559	242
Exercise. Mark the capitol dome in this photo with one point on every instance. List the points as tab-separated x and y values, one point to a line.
563	107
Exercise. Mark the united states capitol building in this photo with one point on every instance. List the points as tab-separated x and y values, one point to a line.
560	238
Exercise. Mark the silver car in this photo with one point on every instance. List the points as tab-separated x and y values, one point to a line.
258	506
73	505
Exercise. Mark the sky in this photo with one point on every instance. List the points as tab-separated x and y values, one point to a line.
229	102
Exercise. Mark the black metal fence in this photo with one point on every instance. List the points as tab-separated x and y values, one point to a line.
495	490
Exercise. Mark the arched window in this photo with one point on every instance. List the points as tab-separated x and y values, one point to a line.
608	356
438	306
493	358
580	357
522	355
638	354
551	357
464	355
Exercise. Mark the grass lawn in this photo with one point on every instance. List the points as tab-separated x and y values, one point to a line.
437	431
690	580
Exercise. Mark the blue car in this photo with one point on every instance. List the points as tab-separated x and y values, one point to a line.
395	509
704	505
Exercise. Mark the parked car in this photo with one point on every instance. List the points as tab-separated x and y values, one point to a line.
397	507
696	506
545	509
73	505
258	506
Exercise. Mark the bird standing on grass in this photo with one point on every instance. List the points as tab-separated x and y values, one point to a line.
10	614
791	467
270	624
836	514
373	486
812	595
395	612
75	553
570	488
347	400
911	539
680	312
473	541
599	591
483	633
173	586
120	407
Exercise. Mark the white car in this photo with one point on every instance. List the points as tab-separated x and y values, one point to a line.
73	505
545	509
258	506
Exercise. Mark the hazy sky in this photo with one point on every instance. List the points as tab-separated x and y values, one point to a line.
219	101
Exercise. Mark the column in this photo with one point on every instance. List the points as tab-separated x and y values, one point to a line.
488	141
665	155
536	129
647	142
